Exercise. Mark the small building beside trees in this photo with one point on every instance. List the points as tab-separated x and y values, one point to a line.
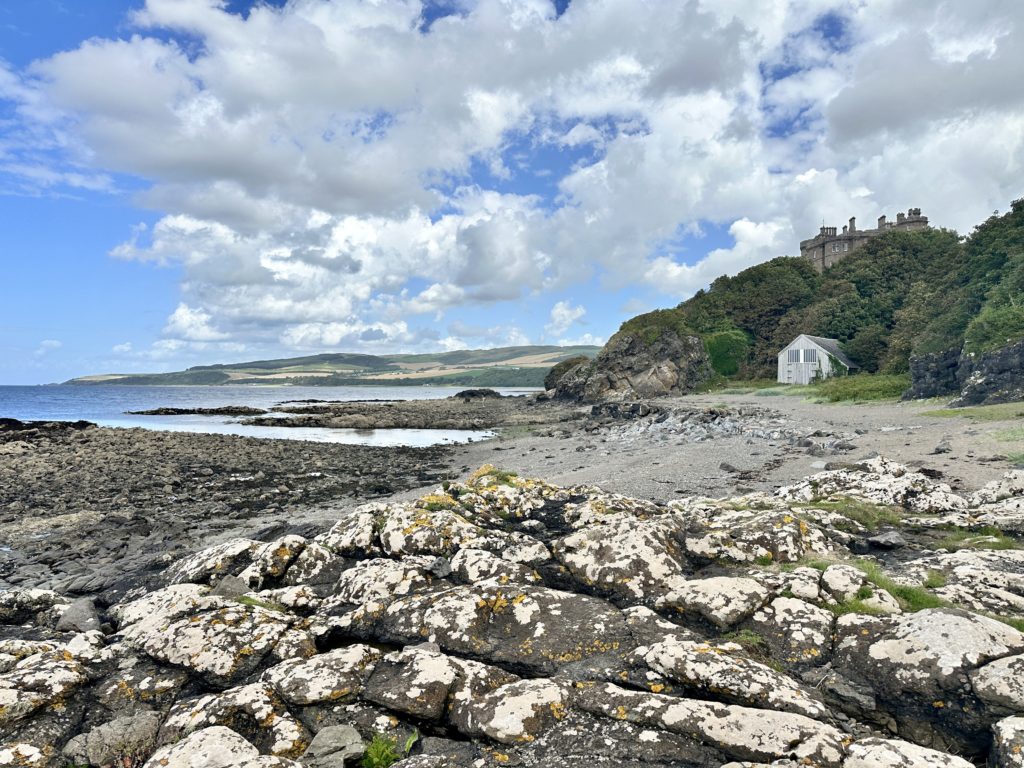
810	358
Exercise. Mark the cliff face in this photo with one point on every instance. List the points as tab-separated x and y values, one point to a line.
633	366
980	378
992	377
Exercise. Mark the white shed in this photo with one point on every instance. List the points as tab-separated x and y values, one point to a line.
807	358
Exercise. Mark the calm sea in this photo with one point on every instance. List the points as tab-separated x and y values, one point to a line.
106	406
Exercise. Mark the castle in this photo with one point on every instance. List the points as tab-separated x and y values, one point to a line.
830	246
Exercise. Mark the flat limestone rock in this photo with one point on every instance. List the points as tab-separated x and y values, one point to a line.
799	633
893	753
722	600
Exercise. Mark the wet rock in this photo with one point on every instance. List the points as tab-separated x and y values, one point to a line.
79	616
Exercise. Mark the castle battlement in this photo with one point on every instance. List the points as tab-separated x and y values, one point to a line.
830	245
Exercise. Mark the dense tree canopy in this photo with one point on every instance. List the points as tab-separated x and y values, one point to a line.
901	294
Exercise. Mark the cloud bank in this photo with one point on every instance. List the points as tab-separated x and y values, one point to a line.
349	174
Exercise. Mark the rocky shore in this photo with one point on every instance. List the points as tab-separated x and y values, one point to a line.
507	621
82	508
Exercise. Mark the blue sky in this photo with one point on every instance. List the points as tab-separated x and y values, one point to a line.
194	181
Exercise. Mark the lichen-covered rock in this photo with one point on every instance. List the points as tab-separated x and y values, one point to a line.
382	579
335	676
1000	684
41	680
739	732
103	745
893	753
139	684
520	711
990	581
473	566
879	481
22	754
315	566
747	535
40	606
213	562
722	600
355	533
270	561
215	747
254	711
631	559
1008	746
424	683
797	633
917	667
843	582
527	627
222	645
708	669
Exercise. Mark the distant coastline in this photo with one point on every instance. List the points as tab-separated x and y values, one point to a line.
523	366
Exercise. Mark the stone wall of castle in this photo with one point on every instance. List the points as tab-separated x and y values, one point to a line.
830	246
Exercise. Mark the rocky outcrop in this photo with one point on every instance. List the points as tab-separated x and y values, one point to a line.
934	375
992	377
977	378
632	365
505	620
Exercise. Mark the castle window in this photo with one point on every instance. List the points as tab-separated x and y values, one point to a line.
794	356
835	247
810	355
846	246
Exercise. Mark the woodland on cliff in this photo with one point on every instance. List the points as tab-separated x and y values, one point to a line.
902	295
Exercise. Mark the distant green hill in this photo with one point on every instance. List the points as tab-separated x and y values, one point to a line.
523	366
901	295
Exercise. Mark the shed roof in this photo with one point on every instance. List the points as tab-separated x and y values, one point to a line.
831	346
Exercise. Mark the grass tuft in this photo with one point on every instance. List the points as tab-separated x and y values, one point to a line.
981	538
868	515
861	387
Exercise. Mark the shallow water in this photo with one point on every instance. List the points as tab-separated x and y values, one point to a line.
106	406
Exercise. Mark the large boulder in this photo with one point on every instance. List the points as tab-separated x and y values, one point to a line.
653	361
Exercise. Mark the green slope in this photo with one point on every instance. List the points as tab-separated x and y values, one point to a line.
902	294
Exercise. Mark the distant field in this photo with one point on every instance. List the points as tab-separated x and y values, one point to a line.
505	366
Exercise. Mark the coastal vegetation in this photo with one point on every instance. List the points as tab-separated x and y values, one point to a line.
902	294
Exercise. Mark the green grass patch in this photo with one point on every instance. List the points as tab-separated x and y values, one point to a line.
935	580
1016	623
489	476
855	605
868	515
1001	412
910	598
1014	435
862	387
1016	458
266	605
981	538
383	751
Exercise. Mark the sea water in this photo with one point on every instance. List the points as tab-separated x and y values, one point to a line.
106	404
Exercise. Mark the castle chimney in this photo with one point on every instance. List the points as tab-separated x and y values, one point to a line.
853	223
881	221
845	228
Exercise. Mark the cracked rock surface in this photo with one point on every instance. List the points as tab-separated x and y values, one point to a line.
506	621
